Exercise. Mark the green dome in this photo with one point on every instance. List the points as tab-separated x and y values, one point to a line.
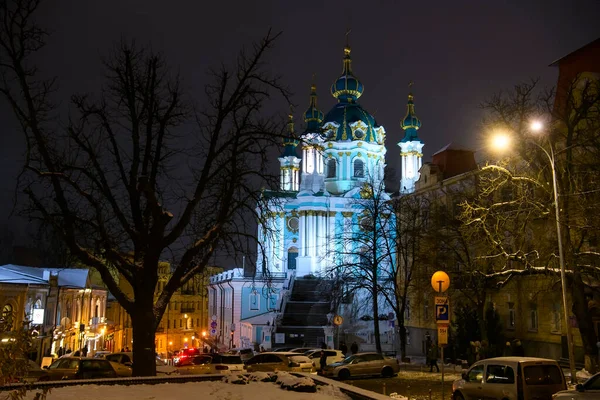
313	116
354	124
347	88
410	123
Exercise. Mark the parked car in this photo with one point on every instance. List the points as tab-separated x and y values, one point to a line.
333	356
584	391
363	364
274	361
80	368
124	364
283	350
510	378
301	350
32	373
101	354
245	354
184	353
211	364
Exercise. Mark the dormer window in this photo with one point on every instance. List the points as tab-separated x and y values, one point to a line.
358	134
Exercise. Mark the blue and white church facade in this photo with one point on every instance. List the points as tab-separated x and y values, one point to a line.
323	172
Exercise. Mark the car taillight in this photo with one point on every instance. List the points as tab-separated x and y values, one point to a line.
221	367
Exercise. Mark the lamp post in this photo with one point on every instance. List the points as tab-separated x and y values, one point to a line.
537	126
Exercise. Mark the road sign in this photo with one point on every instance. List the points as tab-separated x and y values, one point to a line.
214	318
442	310
213	332
338	320
442	334
213	324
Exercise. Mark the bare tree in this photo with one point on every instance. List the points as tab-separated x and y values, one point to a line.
515	208
364	253
121	184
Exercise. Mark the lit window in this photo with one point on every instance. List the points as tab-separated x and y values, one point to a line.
556	318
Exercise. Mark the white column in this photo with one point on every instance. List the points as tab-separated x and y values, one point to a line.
303	235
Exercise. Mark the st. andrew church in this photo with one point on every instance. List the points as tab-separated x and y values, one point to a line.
315	204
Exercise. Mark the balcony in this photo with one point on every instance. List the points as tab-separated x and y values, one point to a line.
185	310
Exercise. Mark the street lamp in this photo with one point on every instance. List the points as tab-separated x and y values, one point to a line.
537	126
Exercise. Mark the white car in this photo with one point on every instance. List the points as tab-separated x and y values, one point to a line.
333	356
211	364
588	390
124	364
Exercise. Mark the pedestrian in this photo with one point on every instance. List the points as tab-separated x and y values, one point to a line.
122	349
477	348
127	349
432	355
354	348
343	348
323	346
484	350
323	360
518	350
61	351
84	351
507	350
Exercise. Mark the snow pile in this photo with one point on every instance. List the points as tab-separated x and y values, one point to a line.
398	396
204	390
582	375
297	384
236	379
262	377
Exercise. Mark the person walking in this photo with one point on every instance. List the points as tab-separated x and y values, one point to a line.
60	352
343	348
84	351
323	361
518	350
432	355
354	348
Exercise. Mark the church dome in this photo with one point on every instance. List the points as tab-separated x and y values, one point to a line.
410	124
347	88
347	120
313	116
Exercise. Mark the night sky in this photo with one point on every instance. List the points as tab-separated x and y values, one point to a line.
458	53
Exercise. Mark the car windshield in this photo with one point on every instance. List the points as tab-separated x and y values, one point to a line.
349	359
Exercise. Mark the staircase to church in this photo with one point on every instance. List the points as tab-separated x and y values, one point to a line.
305	313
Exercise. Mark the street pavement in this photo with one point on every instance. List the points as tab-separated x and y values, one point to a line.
413	381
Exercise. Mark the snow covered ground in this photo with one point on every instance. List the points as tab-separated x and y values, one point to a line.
194	390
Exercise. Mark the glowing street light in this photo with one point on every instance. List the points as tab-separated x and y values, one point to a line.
537	126
500	141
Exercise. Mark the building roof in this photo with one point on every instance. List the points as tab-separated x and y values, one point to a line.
557	62
67	277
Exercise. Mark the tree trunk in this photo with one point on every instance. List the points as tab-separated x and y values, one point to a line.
584	321
481	320
402	330
376	321
144	326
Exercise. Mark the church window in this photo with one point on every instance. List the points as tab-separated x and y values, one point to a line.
359	168
366	224
254	301
359	134
292	256
331	168
293	224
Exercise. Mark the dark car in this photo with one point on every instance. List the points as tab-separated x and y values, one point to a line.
80	368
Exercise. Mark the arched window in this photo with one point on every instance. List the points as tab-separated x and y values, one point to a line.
359	168
292	255
331	168
7	311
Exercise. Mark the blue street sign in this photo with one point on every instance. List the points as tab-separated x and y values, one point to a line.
442	310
